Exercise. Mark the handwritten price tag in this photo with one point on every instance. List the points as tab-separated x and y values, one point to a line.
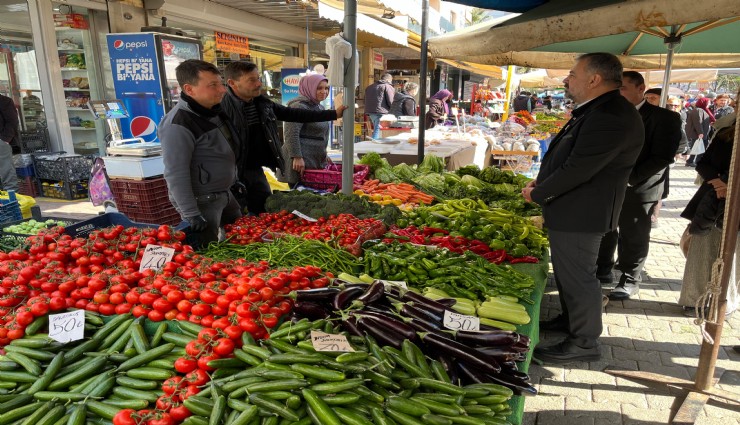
155	257
304	216
460	322
66	327
397	283
330	342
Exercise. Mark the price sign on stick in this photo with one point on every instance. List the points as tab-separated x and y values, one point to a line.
398	283
155	257
304	216
460	322
330	342
66	327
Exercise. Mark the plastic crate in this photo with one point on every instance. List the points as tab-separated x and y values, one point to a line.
26	171
331	176
10	209
28	186
63	189
35	141
12	238
144	195
64	167
84	228
161	215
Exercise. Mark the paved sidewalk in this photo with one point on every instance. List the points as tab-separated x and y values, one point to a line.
648	333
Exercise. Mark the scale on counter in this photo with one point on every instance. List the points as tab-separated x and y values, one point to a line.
405	121
111	111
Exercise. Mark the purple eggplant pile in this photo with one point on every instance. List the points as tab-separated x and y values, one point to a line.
393	315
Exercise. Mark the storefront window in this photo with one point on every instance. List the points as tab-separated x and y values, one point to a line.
19	78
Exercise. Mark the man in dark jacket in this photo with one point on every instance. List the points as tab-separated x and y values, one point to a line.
255	118
523	102
198	152
581	187
378	101
8	141
644	190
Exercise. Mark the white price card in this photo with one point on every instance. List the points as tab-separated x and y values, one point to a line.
155	257
397	283
66	327
330	342
304	216
460	322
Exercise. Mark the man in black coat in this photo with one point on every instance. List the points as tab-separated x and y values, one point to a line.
580	187
646	185
255	118
9	135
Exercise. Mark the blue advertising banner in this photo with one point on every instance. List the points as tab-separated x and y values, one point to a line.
289	84
136	78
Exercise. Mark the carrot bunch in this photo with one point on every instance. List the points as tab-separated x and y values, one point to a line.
393	193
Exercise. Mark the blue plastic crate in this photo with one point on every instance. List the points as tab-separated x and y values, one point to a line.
84	228
26	171
10	209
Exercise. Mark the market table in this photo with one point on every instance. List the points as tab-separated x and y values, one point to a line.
532	329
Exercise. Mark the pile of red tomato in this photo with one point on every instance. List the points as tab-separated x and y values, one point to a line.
343	230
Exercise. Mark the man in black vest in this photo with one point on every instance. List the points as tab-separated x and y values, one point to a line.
644	190
580	187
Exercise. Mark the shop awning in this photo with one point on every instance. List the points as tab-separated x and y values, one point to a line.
365	24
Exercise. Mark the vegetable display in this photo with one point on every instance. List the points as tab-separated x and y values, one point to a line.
329	204
502	229
401	194
468	275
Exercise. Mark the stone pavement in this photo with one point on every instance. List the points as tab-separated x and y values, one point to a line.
647	333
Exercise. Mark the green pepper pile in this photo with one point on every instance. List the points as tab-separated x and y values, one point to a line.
468	275
500	228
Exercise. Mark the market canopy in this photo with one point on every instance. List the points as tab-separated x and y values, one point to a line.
503	5
552	35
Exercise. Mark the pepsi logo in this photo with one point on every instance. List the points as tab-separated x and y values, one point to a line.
118	44
144	127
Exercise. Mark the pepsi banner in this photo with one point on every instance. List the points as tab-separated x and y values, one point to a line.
136	79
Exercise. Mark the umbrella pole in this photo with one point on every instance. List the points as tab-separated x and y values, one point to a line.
671	42
423	79
350	77
507	105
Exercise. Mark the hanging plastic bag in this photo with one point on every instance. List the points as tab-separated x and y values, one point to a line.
698	147
99	188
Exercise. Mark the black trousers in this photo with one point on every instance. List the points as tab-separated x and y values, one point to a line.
258	189
631	241
574	263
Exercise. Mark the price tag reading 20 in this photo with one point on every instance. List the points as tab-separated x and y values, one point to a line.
330	342
66	327
460	322
155	257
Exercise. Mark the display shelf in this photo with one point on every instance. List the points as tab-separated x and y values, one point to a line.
71	50
73	69
77	109
82	128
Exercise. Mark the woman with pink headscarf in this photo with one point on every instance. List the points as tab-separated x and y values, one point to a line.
698	121
305	143
438	108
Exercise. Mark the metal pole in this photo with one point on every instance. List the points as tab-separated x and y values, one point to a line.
460	86
671	42
423	77
350	81
507	105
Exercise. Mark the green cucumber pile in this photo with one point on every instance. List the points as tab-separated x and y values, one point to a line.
289	382
43	382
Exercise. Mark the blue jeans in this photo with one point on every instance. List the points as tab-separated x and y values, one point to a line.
8	178
375	119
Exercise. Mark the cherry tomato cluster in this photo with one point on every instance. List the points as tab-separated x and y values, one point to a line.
343	230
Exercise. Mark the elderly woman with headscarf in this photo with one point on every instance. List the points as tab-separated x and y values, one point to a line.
438	108
698	122
305	143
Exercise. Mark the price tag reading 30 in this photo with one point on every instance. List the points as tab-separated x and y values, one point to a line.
66	327
155	257
460	322
330	342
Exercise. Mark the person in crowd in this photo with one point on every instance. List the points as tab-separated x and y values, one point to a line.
9	143
722	106
631	240
698	122
198	151
672	104
547	102
305	143
255	118
378	100
652	96
404	101
581	187
439	110
523	102
533	101
705	211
